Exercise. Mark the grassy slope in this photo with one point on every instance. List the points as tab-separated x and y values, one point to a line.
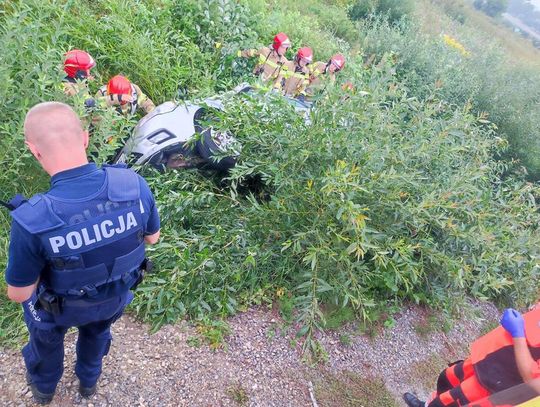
518	48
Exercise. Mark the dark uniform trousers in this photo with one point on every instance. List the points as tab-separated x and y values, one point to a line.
44	353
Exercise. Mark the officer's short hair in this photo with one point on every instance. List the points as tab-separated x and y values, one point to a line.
47	108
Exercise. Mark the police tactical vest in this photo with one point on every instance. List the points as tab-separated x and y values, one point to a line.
90	244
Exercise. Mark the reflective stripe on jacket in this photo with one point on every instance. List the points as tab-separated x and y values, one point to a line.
295	79
269	63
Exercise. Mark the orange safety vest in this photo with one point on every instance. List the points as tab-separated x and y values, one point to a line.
493	358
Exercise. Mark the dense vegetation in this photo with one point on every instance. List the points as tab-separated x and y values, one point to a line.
398	191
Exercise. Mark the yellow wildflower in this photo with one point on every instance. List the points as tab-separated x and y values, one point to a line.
452	42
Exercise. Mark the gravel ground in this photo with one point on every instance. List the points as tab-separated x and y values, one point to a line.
258	363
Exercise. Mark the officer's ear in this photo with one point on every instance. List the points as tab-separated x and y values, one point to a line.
33	149
86	139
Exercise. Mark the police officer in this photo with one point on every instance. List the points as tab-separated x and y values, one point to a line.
75	251
271	60
124	95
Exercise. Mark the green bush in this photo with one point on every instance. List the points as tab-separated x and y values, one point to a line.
455	9
483	77
383	197
491	7
394	10
220	28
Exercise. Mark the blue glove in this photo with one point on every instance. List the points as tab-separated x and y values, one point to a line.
513	322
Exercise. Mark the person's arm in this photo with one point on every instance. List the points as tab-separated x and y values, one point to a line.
514	324
104	100
152	222
153	238
524	360
332	77
70	89
25	262
248	53
144	101
20	294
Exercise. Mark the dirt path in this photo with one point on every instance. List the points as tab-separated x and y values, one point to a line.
259	366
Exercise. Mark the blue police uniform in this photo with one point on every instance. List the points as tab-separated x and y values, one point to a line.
84	240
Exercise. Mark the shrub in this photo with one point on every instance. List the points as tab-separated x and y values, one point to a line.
455	9
483	77
382	198
394	10
491	7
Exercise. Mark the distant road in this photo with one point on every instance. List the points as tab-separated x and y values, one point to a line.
521	25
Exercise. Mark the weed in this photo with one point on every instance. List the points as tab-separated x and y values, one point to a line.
427	371
272	332
194	341
348	389
428	325
214	332
286	306
335	317
368	328
345	339
238	394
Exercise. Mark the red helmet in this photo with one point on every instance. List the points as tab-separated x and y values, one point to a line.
338	61
304	53
119	85
77	64
279	40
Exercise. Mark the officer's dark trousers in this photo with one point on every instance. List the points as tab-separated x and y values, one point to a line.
44	353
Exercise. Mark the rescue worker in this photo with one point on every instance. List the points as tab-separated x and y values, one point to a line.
75	251
506	357
77	66
324	72
271	59
125	96
296	78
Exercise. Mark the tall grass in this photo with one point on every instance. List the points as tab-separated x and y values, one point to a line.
484	77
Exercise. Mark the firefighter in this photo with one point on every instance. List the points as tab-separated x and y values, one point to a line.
324	71
77	66
296	78
506	357
271	59
125	96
